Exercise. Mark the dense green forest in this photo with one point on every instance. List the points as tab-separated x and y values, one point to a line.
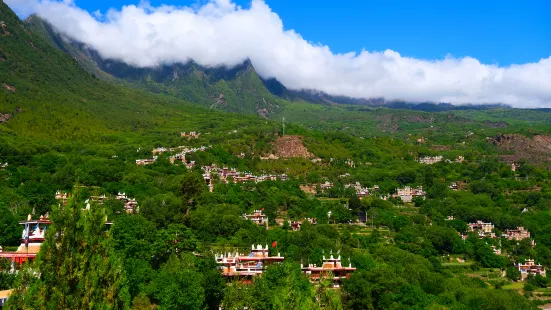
63	128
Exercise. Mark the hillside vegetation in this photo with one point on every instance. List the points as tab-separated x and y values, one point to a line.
68	125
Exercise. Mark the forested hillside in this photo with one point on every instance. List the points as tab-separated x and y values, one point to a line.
395	194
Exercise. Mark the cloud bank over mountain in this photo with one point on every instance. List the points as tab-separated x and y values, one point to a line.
222	33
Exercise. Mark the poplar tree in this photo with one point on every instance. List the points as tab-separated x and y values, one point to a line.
77	267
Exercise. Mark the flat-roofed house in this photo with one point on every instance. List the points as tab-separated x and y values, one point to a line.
516	234
330	267
530	268
31	240
258	217
245	267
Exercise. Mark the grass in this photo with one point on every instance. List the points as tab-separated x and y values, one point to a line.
465	264
514	286
544	290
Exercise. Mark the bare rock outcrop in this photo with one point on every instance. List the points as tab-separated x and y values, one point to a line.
5	117
9	87
535	149
291	147
4	29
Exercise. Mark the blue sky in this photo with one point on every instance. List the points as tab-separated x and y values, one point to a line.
495	32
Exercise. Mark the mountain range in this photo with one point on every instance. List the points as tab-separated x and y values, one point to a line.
238	89
54	88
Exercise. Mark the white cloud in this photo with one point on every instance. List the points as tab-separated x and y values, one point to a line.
222	33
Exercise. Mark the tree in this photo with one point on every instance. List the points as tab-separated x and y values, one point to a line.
283	286
164	209
358	292
176	239
178	285
141	302
354	202
6	277
133	236
327	297
213	282
443	238
438	190
513	273
406	177
10	230
483	187
78	266
191	187
340	214
237	296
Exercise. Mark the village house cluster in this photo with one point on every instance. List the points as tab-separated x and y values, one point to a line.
226	175
190	135
245	267
147	161
296	225
361	191
259	218
431	160
482	229
324	187
130	204
486	229
407	193
179	157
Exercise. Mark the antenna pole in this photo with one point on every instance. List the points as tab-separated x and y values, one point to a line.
283	125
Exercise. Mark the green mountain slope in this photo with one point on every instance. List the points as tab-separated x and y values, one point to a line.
45	93
237	89
241	90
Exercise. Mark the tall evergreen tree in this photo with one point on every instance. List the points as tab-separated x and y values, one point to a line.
76	268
